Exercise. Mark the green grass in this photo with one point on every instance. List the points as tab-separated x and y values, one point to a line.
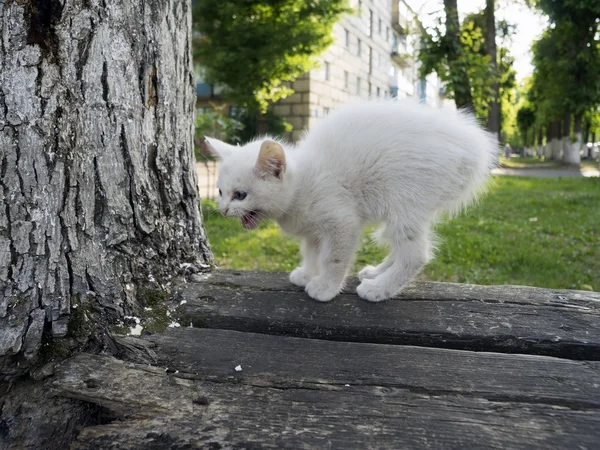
526	231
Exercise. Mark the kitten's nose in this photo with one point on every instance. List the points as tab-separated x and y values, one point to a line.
225	211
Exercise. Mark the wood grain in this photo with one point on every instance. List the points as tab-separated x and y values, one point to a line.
506	319
301	393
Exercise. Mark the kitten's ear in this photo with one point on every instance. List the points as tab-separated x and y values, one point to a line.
271	160
219	148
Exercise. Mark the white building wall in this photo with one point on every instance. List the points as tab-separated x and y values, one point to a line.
359	64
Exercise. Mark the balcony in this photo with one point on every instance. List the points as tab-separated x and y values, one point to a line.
400	16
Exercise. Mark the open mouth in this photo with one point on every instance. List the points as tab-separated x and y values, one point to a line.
250	220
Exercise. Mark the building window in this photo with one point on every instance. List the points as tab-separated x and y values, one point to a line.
314	112
378	92
325	111
347	38
370	24
327	69
358	86
359	48
346	81
370	60
380	27
387	34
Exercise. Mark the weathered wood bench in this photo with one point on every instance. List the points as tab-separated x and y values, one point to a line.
263	366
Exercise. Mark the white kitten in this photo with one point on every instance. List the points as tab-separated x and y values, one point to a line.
397	163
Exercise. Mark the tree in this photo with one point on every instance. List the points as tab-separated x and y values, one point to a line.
493	122
254	48
485	83
525	121
567	62
98	188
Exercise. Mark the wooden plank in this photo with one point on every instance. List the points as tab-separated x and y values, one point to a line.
279	361
305	394
506	319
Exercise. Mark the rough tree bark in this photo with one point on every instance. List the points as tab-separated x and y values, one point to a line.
97	181
461	83
494	111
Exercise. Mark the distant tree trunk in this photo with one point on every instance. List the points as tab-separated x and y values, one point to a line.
556	144
540	141
494	111
571	153
458	70
585	139
97	177
548	147
566	136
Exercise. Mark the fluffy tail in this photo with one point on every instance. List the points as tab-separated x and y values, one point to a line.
481	156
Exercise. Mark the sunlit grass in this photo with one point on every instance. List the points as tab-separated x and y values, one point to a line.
526	231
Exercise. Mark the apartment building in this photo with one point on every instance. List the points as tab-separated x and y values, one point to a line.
373	55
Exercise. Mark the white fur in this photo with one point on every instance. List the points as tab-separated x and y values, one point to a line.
397	163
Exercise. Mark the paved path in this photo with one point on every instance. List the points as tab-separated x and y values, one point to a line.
547	173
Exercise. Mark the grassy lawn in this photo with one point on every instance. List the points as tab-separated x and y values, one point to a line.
526	231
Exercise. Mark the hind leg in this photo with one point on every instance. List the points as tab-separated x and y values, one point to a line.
410	253
381	236
369	272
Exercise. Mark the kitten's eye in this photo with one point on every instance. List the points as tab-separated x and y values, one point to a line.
239	195
220	193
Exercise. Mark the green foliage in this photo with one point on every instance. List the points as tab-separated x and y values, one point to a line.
525	121
273	124
215	122
567	59
255	47
526	231
434	55
472	59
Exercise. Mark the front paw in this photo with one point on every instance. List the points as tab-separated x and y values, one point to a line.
373	292
299	277
321	290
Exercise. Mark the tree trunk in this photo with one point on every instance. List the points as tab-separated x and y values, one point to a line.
585	139
566	136
556	144
461	84
97	176
540	142
494	111
571	153
550	138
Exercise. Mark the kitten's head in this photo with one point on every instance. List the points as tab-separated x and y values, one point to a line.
252	180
